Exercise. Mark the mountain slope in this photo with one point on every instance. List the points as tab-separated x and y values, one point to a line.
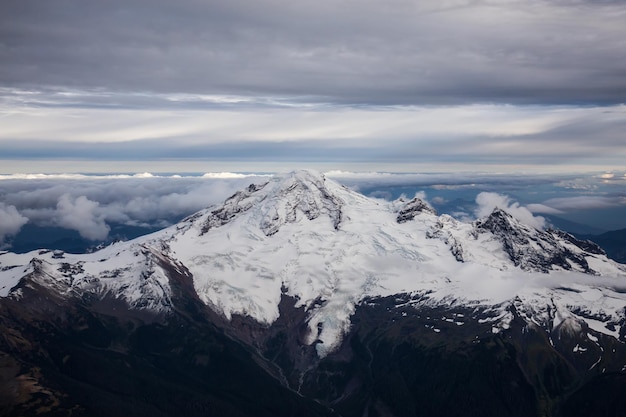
363	305
613	242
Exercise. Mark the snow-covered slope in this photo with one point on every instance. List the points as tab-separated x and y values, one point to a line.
330	248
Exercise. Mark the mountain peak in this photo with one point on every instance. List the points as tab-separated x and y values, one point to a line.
304	179
303	176
412	208
297	194
537	250
284	199
499	218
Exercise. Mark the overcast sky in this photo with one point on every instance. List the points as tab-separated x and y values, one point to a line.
381	82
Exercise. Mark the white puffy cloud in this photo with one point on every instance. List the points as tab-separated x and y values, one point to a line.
82	214
421	195
488	201
11	221
92	204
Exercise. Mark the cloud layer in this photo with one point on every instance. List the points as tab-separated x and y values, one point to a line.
366	52
11	221
477	134
93	205
90	205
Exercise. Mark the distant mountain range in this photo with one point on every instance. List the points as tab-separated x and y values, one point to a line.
300	297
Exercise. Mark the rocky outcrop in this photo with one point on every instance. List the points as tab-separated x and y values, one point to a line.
413	208
535	250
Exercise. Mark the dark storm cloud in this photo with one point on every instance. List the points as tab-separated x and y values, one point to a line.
341	51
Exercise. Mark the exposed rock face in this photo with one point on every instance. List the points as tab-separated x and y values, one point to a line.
239	202
413	208
298	194
537	250
586	245
440	230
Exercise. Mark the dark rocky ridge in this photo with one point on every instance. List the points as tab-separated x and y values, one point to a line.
413	208
614	243
536	250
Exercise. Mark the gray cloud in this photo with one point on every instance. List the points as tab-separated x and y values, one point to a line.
535	82
90	205
81	214
588	202
472	134
542	208
451	180
366	52
11	221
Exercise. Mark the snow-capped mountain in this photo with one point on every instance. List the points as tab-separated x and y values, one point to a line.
303	254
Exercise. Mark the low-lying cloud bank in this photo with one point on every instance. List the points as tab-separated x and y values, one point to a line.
11	221
90	204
